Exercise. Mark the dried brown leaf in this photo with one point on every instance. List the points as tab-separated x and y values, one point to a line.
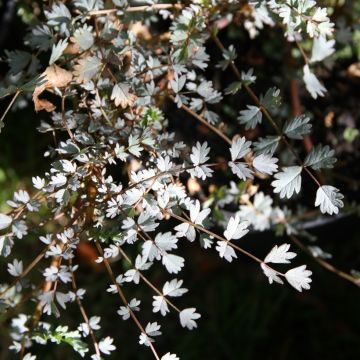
55	77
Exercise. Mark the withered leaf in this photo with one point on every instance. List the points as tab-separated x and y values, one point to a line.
55	77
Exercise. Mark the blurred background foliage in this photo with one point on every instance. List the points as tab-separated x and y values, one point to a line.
242	316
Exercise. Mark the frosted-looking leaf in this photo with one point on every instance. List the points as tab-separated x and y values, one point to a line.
38	182
202	172
322	48
185	230
239	148
280	255
329	199
313	85
149	250
6	244
28	356
57	50
250	117
5	221
198	157
89	5
319	23
265	164
106	345
166	241
248	77
67	166
15	268
133	305
298	127
241	170
178	83
173	288
225	250
299	278
58	180
122	96
83	37
164	164
199	153
134	145
258	213
236	229
196	215
288	181
153	329
58	14
210	95
229	55
169	356
173	263
94	322
160	305
87	68
266	145
320	157
271	274
188	317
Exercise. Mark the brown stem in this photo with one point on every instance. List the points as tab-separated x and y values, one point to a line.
56	261
324	263
144	278
123	298
215	236
83	312
265	111
203	121
10	105
143	8
27	270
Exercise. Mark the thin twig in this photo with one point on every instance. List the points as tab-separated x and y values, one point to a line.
133	9
265	111
201	228
302	51
147	281
83	312
203	121
10	105
28	269
324	263
123	298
